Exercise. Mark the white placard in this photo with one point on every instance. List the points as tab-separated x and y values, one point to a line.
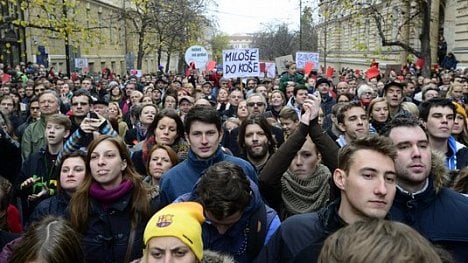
242	62
281	63
270	69
303	57
81	62
197	55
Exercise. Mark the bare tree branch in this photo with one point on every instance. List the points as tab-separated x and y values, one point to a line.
385	42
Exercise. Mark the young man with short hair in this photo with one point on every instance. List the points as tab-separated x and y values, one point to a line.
289	121
437	117
367	181
301	93
37	179
422	201
203	131
353	122
238	222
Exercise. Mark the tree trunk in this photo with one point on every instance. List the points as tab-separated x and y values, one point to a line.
141	49
168	61
159	54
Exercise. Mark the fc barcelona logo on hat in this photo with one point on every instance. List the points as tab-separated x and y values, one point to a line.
164	220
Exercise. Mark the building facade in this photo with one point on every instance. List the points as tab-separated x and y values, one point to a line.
348	36
111	44
11	48
240	41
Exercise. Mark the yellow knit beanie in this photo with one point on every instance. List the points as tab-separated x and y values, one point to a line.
460	109
180	220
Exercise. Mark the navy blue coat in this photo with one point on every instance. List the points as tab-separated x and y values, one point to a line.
56	205
441	216
300	237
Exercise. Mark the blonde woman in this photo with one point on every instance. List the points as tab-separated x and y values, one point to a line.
116	119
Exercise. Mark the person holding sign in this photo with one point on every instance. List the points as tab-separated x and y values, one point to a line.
290	75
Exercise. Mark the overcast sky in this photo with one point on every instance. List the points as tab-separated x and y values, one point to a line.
247	16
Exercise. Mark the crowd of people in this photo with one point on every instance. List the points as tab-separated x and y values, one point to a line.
195	167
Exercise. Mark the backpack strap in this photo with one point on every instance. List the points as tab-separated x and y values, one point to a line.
256	232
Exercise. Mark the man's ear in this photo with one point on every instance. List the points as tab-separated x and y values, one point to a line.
423	123
339	177
342	127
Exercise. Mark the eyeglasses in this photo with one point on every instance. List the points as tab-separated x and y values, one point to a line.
252	104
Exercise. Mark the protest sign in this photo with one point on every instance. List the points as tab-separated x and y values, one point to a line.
281	63
303	57
81	62
241	63
268	69
196	55
136	72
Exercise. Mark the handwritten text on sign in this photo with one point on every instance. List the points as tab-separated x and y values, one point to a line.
241	63
303	57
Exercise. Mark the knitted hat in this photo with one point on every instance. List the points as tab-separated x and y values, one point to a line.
321	81
364	88
180	220
460	110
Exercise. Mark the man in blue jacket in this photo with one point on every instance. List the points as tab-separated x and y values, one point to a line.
203	132
422	201
238	222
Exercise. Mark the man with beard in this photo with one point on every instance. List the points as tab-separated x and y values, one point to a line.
256	141
256	105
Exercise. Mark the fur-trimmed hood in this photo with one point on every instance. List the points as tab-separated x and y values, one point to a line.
439	172
216	257
208	257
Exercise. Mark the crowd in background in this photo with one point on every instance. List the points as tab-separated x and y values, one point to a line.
107	152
